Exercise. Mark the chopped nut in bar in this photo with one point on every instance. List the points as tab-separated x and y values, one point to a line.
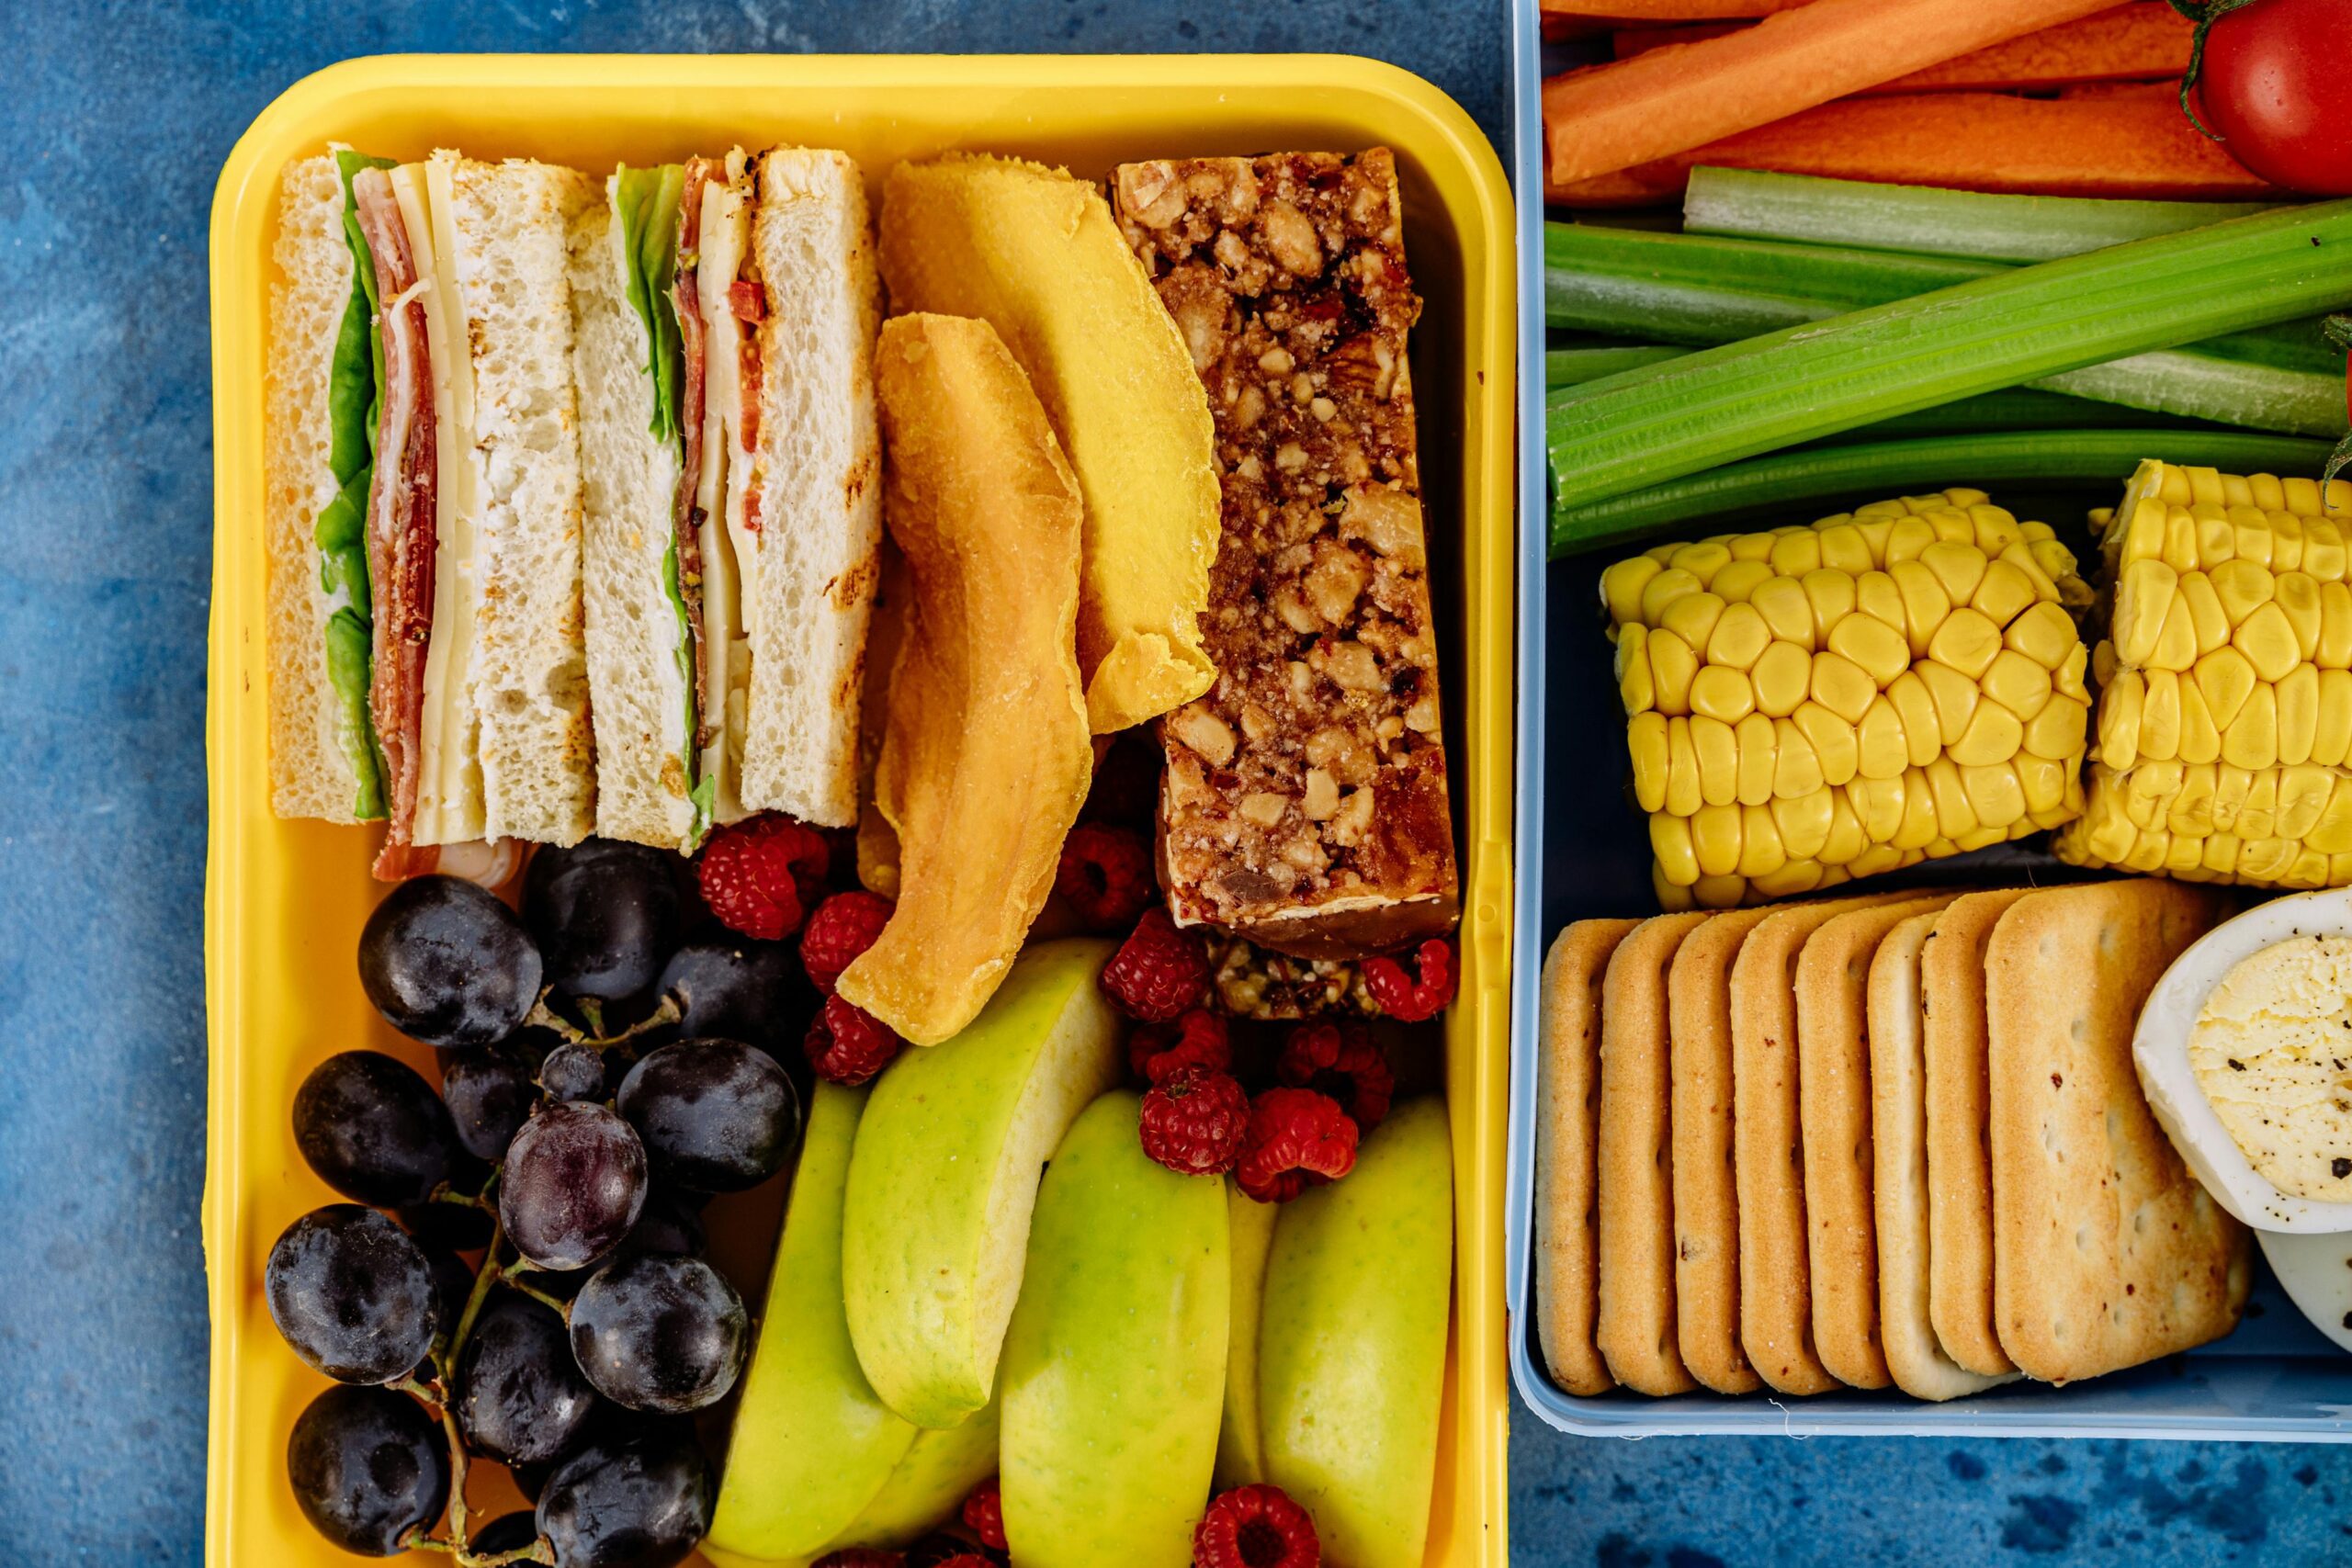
1305	807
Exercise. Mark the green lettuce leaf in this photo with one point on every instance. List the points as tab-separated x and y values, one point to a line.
353	377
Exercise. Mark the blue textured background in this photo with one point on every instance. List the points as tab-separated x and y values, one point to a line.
113	123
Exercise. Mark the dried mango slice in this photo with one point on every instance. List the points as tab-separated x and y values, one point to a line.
1035	252
984	750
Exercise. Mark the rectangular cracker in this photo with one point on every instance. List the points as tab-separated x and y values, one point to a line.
1899	1119
1567	1104
1960	1175
1706	1197
2106	1252
1775	1278
1834	1120
1635	1330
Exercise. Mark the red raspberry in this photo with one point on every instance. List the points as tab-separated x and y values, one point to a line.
1157	972
842	927
1105	875
984	1516
760	876
1297	1137
1194	1121
1126	782
847	1044
940	1550
859	1557
1345	1062
1196	1039
1256	1527
1405	999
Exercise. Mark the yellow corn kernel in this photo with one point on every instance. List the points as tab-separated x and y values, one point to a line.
2210	799
2057	564
1954	816
2332	731
1693	617
1803	821
1878	802
2302	795
2332	834
1955	698
1831	594
2201	738
1924	603
2311	870
1739	639
1672	669
1663	589
1959	568
1782	604
1885	750
2224	679
2140	536
2285	530
1844	840
1753	737
2160	717
1750	547
1834	745
1918	829
1967	641
2265	860
1703	559
2217	542
2298	714
1878	648
1736	581
2016	682
2104	663
1844	551
2176	642
1841	685
1876	521
2005	591
2120	710
2268	639
1714	840
1995	529
1722	694
1718	754
1908	539
2056	732
2251	532
2144	596
1782	678
2040	780
1664	554
2252	741
2258	816
1795	770
1979	838
2068	680
2206	618
2324	552
1796	552
1875	860
2151	789
1634	685
1677	861
1995	794
1760	844
2301	496
2242	588
1645	740
1993	734
1791	878
1682	796
2218	856
1922	728
2046	633
1875	595
2334	650
1620	588
2298	598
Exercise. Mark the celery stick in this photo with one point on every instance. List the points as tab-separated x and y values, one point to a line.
1568	366
1930	222
1807	482
1643	427
2202	386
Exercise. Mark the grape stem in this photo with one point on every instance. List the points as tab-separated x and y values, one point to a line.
544	1017
514	1282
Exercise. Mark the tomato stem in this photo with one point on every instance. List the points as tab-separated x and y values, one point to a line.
2204	12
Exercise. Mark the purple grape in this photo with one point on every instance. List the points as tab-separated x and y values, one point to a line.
575	1181
374	1130
353	1294
367	1466
446	963
489	1094
520	1398
661	1334
716	1115
639	1501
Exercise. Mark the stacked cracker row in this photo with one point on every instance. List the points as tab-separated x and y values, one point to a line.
1893	1139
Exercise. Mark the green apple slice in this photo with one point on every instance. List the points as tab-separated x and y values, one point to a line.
812	1444
939	1472
942	1182
1114	1364
1351	1348
1240	1443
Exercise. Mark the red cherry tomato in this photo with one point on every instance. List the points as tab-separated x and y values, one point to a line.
2274	85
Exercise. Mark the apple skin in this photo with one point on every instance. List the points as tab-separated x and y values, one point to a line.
1351	1347
1240	1442
812	1443
940	1470
1114	1367
944	1175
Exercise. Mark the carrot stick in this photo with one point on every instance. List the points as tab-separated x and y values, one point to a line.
2136	42
1666	10
1673	99
2140	146
2145	41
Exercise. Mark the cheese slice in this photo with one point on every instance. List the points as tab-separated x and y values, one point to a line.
723	488
449	798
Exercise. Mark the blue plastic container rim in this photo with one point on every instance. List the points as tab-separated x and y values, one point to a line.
2264	1383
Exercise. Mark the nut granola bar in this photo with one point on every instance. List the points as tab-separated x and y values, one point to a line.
1305	807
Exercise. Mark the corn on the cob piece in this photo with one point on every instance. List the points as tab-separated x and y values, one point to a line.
1844	697
2224	727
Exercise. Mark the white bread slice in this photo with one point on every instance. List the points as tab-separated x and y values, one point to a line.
637	691
820	478
309	774
529	669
